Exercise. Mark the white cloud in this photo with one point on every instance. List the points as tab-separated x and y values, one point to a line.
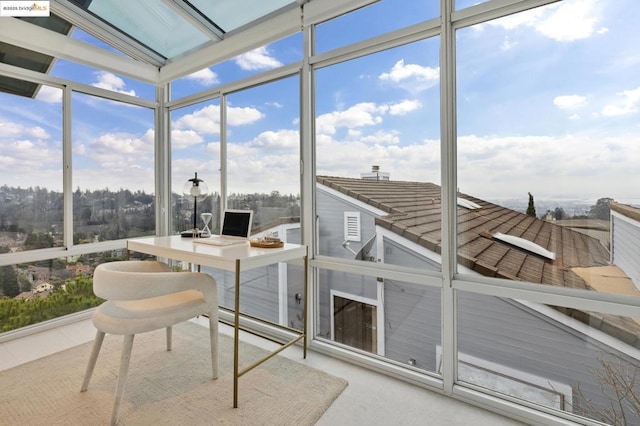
411	77
109	81
257	59
404	107
415	162
117	145
114	160
9	131
184	138
564	21
50	95
571	20
507	44
489	167
362	114
288	140
629	104
239	116
204	77
569	101
528	18
547	166
381	137
207	120
21	155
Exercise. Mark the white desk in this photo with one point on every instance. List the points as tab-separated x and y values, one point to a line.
235	258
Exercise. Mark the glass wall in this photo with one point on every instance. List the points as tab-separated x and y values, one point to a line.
564	359
547	140
378	153
31	208
48	289
399	321
113	170
195	148
256	61
544	172
263	153
371	21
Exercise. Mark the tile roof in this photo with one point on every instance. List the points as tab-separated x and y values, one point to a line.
414	212
414	209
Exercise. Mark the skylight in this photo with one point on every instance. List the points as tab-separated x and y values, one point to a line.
152	23
523	244
172	28
467	204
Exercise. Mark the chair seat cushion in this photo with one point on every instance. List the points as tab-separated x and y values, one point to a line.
139	316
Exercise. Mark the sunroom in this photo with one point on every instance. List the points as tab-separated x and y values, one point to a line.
463	173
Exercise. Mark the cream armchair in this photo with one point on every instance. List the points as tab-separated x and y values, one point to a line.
143	296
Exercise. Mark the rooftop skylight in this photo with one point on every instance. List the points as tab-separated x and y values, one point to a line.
467	204
526	245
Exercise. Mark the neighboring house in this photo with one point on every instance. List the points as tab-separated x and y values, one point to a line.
625	234
79	268
547	352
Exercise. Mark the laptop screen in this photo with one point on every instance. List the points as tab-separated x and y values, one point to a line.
237	223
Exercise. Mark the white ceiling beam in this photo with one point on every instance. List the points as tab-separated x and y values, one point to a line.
188	13
250	38
103	31
316	11
23	34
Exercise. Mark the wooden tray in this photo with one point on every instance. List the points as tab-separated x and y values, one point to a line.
266	244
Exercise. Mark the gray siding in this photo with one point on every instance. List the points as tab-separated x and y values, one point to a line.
509	334
625	248
397	254
412	323
260	287
330	211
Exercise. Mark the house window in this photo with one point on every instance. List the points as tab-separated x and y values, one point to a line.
352	226
355	323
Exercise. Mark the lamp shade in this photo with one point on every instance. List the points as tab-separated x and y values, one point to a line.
196	188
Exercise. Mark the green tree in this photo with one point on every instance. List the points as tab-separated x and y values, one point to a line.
531	209
77	296
602	209
559	214
9	285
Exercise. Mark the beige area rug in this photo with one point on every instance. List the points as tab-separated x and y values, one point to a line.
165	388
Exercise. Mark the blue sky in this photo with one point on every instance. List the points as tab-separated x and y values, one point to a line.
548	102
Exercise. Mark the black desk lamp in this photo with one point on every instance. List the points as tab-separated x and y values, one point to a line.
196	188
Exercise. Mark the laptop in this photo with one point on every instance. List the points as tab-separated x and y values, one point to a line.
236	226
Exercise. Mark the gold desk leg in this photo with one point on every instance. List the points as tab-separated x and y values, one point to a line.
304	307
236	335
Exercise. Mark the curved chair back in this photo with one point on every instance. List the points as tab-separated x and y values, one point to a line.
129	280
